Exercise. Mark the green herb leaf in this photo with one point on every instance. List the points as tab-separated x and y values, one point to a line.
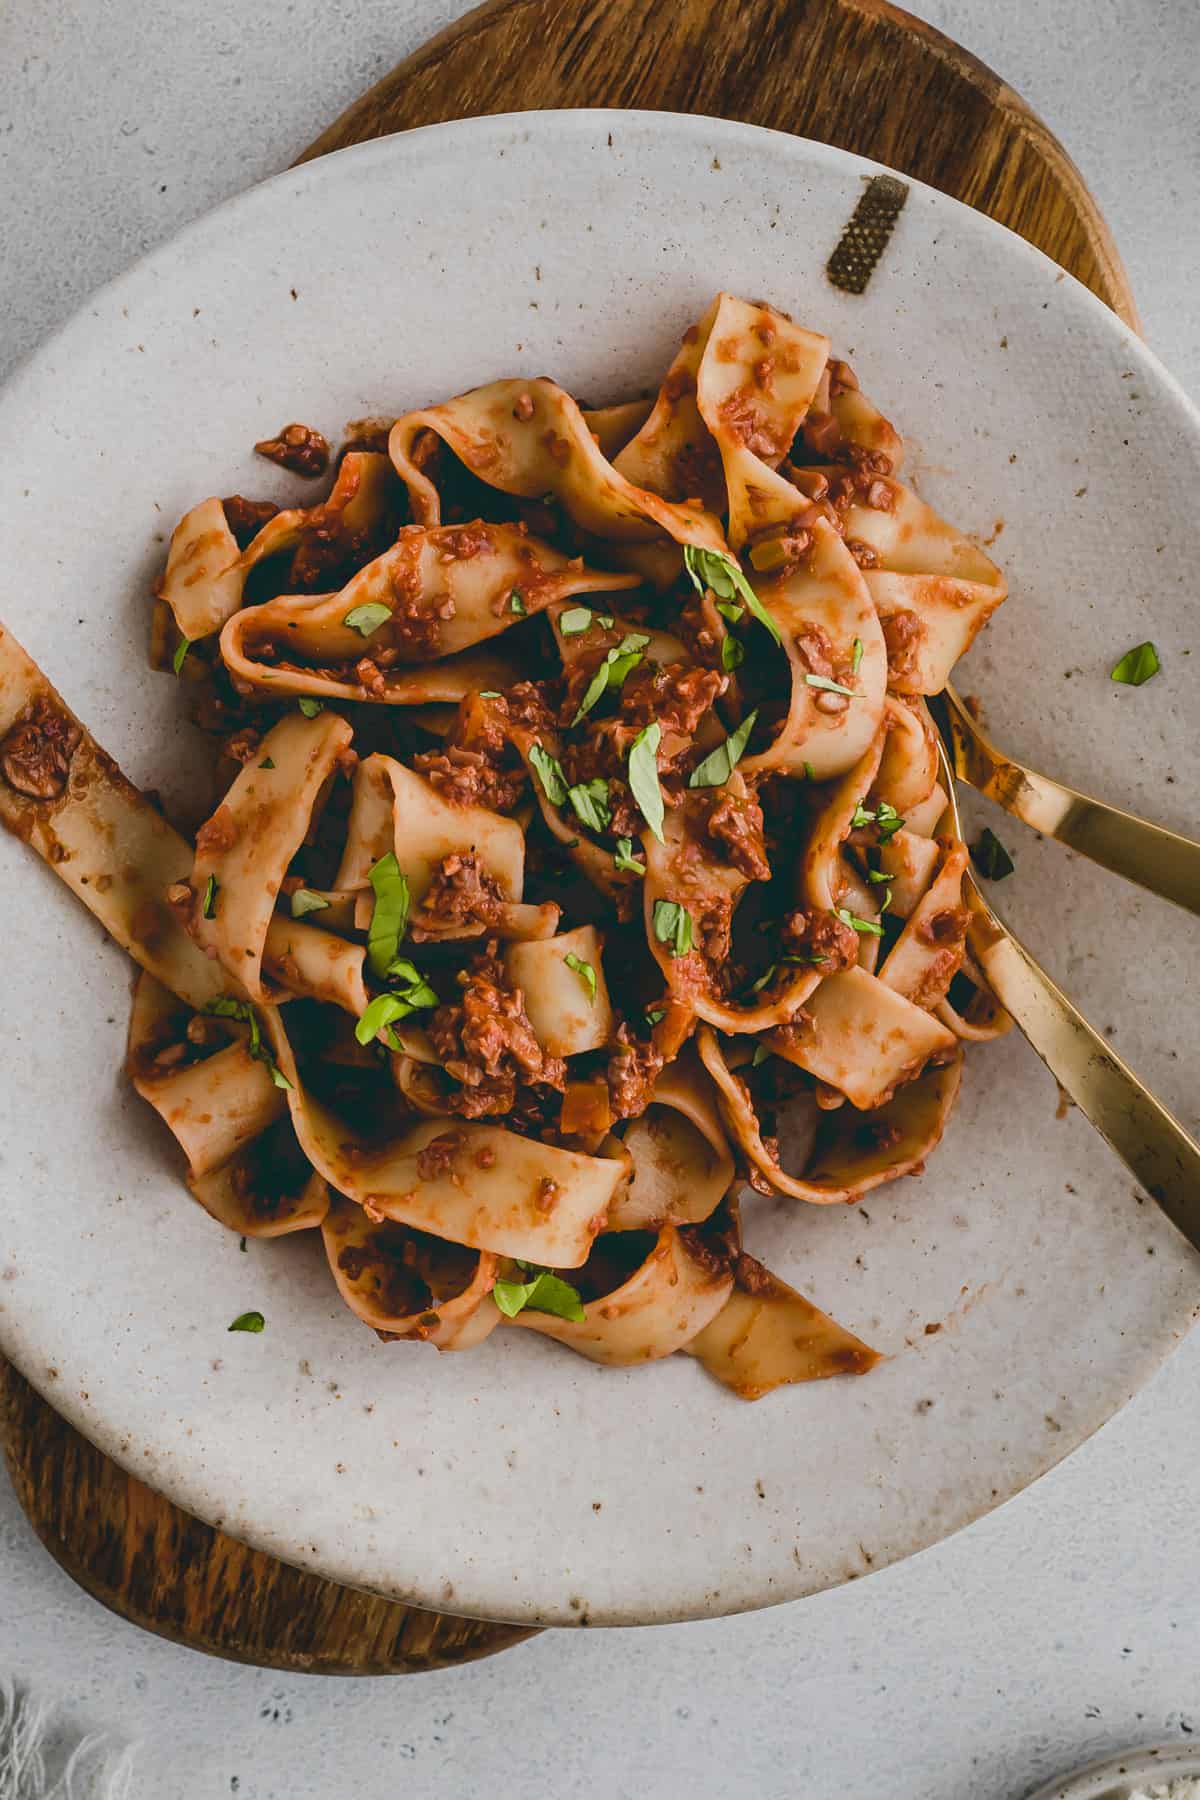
545	1293
489	693
656	1015
866	926
305	901
990	857
368	618
876	875
810	772
605	619
248	1321
861	816
575	620
888	821
617	664
225	1006
758	986
673	927
268	762
384	1010
208	905
733	654
585	972
729	609
720	763
760	1056
623	857
516	604
389	917
310	707
643	777
831	687
1135	667
549	772
856	656
590	802
180	656
714	569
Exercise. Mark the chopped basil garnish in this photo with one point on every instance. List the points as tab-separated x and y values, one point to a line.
831	687
268	762
729	609
760	1056
990	857
208	905
720	763
888	821
549	772
575	620
585	972
876	875
733	654
723	574
673	927
180	656
856	656
305	901
866	926
248	1321
810	772
544	1292
516	604
656	1015
624	859
389	918
368	618
1135	667
489	693
386	1009
860	817
617	664
643	777
310	707
589	800
224	1006
757	987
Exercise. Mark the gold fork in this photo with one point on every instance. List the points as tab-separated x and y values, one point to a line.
1152	1144
1160	860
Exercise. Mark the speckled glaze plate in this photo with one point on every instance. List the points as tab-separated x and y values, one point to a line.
1135	1771
523	1483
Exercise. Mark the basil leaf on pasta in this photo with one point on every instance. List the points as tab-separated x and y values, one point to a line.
310	707
625	860
248	1321
549	772
226	1006
720	763
724	575
673	927
643	777
389	918
584	970
589	801
575	620
208	905
368	618
545	1293
181	653
305	901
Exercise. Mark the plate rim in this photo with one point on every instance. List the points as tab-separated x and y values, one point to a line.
181	1485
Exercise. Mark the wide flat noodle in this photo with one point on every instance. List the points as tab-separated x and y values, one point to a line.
682	1168
862	1038
406	1284
767	1334
103	838
247	845
678	1289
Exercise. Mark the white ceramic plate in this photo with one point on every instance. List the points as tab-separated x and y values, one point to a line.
522	1482
1134	1771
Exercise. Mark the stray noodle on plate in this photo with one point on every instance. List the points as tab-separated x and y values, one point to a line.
578	818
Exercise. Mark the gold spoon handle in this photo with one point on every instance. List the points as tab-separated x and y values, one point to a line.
1153	1145
1156	859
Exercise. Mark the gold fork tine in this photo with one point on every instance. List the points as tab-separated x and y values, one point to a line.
1157	859
1153	1145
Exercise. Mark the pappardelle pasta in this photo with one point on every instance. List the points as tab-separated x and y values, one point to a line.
575	824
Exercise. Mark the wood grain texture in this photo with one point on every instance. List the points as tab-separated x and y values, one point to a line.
859	74
163	1569
856	73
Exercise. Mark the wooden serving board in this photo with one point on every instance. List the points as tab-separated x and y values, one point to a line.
859	74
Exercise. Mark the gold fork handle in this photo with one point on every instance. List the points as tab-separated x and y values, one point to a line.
1157	859
1154	1146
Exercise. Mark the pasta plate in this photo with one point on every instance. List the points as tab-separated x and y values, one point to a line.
1017	1290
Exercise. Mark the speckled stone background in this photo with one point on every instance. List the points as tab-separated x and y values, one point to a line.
1064	1626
